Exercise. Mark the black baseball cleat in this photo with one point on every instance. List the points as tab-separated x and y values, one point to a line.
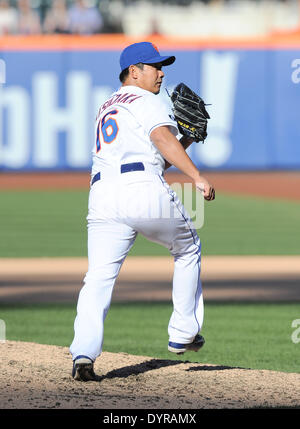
194	346
83	369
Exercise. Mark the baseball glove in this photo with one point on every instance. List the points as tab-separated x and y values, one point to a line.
190	113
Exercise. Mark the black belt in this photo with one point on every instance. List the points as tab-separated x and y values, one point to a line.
125	168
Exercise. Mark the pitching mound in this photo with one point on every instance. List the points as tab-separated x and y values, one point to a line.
39	376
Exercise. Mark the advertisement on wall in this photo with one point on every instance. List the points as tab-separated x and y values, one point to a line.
49	101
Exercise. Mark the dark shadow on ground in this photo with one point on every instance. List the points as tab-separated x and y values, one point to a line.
154	364
65	289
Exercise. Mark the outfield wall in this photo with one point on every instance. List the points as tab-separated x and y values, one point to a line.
51	88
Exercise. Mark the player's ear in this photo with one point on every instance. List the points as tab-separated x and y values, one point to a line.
134	71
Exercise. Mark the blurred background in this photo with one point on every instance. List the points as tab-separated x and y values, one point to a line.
203	18
61	61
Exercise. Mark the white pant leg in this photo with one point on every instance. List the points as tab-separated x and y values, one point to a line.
188	312
178	234
108	245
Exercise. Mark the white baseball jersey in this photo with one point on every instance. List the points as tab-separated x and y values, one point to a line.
123	127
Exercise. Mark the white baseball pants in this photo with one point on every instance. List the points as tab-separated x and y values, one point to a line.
119	209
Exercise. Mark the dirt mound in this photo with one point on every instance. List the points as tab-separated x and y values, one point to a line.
35	376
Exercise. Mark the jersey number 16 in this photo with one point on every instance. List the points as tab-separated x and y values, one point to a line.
109	129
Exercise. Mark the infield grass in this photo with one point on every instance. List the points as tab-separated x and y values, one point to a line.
244	335
53	223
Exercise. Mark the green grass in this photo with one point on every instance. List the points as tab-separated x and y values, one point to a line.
246	335
36	223
53	223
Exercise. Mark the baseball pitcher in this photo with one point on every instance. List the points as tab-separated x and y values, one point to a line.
136	140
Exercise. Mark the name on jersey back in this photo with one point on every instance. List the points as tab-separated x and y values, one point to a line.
118	98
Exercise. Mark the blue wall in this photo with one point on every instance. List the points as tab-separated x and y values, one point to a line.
49	101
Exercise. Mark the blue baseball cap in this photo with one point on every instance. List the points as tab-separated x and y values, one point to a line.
143	52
